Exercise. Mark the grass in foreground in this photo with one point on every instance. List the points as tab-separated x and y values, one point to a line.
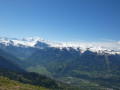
7	84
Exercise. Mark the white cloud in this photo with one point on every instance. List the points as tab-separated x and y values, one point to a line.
111	45
118	42
106	44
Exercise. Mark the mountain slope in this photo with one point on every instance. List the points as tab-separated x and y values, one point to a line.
73	59
8	64
13	58
29	78
7	84
20	52
35	79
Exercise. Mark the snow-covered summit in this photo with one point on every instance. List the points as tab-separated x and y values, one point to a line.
99	48
31	42
27	42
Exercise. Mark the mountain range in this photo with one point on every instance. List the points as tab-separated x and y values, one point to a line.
78	64
41	43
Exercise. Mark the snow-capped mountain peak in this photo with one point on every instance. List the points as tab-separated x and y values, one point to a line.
33	42
27	42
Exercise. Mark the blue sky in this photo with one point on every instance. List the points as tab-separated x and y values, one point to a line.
61	20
